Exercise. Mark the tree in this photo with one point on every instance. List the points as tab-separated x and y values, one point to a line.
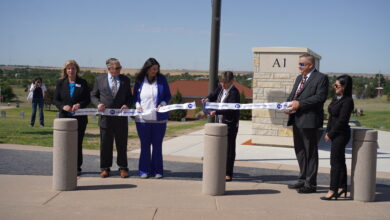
7	93
177	115
247	113
89	77
49	96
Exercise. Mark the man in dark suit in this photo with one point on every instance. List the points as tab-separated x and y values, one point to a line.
306	116
112	90
227	93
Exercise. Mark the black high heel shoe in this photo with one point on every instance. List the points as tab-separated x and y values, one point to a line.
343	191
335	195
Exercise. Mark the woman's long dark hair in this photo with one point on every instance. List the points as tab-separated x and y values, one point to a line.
346	81
147	65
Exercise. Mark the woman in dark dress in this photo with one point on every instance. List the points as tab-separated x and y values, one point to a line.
71	94
227	93
339	132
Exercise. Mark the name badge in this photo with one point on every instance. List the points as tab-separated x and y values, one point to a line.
78	85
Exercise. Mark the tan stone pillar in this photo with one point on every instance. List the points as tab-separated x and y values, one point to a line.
65	154
274	72
214	159
363	172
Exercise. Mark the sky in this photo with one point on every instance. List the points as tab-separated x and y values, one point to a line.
352	36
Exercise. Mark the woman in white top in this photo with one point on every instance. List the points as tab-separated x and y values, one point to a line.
151	90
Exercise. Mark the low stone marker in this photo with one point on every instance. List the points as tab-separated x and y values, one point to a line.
65	154
214	159
363	174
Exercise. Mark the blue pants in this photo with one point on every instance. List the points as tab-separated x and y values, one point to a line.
151	134
35	103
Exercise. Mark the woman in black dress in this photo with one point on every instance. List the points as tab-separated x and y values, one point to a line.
339	132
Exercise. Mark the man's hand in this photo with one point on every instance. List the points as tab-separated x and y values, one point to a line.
101	107
294	105
327	139
205	100
67	108
124	107
75	107
213	113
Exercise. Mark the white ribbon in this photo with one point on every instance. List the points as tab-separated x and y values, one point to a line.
238	106
166	108
133	112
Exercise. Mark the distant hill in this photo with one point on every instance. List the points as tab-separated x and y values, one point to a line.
125	71
175	71
366	75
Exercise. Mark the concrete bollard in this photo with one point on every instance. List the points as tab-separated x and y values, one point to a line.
363	173
214	159
21	114
65	154
3	114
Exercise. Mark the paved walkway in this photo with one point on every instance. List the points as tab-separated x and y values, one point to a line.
191	145
258	191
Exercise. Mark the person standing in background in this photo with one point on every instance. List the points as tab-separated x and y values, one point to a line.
37	95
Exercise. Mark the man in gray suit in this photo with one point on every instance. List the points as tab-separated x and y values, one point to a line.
306	116
112	90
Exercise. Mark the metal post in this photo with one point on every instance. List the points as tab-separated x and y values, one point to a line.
214	46
363	173
65	154
214	159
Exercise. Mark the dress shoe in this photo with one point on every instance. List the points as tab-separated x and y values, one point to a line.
334	195
296	185
341	192
158	176
306	190
105	173
228	178
124	173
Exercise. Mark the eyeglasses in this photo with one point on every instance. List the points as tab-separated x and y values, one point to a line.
302	64
336	86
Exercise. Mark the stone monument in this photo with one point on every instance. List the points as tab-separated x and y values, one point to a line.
274	73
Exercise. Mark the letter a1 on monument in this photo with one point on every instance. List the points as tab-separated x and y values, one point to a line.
278	64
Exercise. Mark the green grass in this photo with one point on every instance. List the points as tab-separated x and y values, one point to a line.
15	130
375	119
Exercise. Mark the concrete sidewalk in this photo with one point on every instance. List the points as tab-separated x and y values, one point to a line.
258	192
191	145
31	197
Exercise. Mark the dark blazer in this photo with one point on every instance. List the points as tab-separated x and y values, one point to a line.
101	94
62	97
339	115
230	117
311	100
163	94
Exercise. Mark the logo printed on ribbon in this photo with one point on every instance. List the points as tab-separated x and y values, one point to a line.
237	106
190	105
112	111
